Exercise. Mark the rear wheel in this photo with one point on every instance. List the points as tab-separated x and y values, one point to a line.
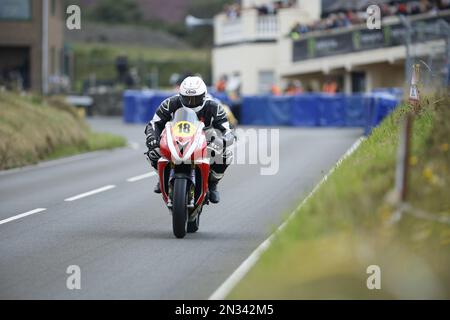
192	226
179	209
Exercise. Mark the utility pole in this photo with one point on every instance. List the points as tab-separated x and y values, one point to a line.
44	65
443	25
408	41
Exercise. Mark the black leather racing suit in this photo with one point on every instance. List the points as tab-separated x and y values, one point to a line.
211	113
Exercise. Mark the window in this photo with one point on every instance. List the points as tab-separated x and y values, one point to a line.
266	79
53	8
358	82
52	60
15	9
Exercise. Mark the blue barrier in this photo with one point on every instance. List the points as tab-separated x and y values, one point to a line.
130	106
140	106
355	111
255	111
266	110
396	92
317	109
331	110
305	110
222	96
144	107
378	108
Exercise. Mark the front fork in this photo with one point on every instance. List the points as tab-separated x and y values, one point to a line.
191	192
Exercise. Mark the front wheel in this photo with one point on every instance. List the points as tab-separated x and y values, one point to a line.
179	209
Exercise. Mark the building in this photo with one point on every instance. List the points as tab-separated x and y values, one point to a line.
31	43
259	49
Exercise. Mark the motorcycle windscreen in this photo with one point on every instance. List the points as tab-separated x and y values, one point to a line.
184	123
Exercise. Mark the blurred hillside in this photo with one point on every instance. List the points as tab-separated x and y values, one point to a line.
93	32
164	15
172	11
150	36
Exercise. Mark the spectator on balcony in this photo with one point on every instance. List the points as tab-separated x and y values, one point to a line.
385	9
414	8
352	17
266	9
295	31
272	6
232	11
443	4
402	8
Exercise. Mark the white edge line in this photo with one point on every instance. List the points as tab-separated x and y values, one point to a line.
22	215
225	288
142	176
90	193
56	162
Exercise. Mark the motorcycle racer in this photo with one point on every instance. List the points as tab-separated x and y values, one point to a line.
193	95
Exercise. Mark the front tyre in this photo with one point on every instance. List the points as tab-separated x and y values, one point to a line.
179	209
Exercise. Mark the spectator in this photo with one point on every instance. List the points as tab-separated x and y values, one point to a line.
233	86
294	87
122	68
275	90
295	31
330	86
352	17
233	11
222	84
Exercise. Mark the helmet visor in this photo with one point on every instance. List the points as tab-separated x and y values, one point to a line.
192	101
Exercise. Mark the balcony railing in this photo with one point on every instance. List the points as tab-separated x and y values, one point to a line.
359	38
266	27
231	31
248	27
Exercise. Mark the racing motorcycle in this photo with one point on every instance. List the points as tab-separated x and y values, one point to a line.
183	170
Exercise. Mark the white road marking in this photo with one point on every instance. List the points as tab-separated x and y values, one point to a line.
22	215
142	176
90	193
56	162
224	290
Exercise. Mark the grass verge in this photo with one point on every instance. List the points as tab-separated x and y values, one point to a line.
33	129
345	227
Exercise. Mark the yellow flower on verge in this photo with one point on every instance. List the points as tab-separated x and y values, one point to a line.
428	173
444	147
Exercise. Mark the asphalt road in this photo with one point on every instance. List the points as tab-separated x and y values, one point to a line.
121	237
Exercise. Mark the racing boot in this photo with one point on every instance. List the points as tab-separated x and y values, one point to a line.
214	195
157	188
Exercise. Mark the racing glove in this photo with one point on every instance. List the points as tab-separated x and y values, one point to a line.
152	141
216	144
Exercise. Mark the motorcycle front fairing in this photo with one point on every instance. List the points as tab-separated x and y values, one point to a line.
183	152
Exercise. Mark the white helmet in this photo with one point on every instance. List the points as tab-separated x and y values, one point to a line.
192	92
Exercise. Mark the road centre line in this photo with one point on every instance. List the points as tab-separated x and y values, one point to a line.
90	193
142	176
22	215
